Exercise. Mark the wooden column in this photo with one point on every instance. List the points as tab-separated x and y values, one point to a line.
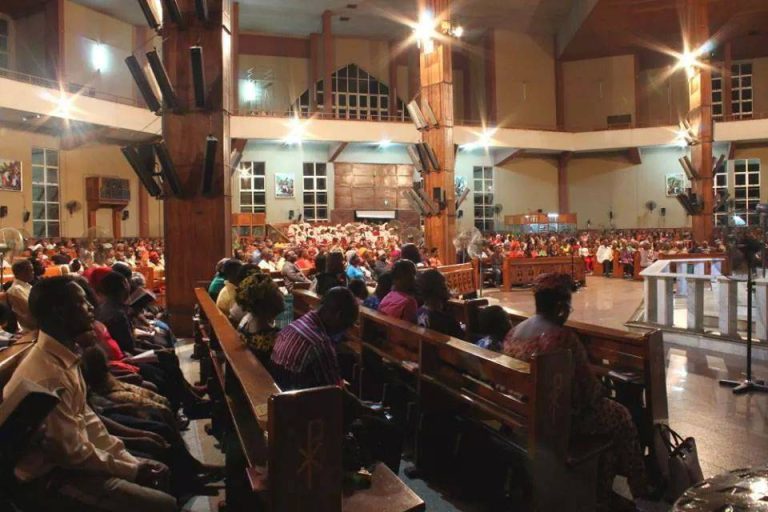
328	63
559	95
392	78
54	39
726	78
143	212
117	218
696	26
491	108
437	88
639	92
562	182
235	32
197	228
314	70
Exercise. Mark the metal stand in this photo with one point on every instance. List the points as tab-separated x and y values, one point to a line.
747	385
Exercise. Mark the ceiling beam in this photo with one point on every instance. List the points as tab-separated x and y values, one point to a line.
335	151
634	156
21	8
503	156
580	11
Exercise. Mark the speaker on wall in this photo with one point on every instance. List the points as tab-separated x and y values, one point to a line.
126	214
209	161
27	214
167	168
142	161
290	214
663	212
161	76
142	83
3	212
198	75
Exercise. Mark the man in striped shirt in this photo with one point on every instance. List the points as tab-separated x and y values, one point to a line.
304	355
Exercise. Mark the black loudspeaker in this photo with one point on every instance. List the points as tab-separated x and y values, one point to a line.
149	13
172	8
460	214
198	75
3	212
25	217
663	212
209	162
290	214
143	84
201	9
142	161
610	214
168	170
161	76
126	214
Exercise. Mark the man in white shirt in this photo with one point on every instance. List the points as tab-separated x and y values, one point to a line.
605	258
267	263
77	460
18	294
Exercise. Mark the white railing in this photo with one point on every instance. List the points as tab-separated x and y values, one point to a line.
691	277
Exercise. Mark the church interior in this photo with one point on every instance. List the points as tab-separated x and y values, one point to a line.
383	255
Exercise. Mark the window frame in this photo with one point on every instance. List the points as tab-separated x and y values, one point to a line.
483	190
10	51
47	220
252	172
315	192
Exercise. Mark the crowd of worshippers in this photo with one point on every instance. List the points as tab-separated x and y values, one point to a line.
74	256
304	354
114	441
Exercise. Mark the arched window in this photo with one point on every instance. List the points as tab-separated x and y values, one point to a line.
6	42
356	95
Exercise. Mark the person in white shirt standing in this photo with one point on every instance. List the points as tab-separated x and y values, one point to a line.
605	258
18	294
76	461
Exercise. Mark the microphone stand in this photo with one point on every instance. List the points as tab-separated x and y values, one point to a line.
745	386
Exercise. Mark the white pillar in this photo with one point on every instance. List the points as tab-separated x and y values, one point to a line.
761	308
651	308
695	304
665	301
728	302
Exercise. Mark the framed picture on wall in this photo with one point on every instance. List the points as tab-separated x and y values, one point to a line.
10	175
675	184
285	185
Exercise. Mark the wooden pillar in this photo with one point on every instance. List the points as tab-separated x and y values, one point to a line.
562	182
392	79
437	88
54	39
235	32
197	228
143	212
559	94
696	26
639	92
117	218
314	70
726	78
491	108
328	64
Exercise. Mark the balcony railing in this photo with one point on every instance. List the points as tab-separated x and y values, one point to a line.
68	87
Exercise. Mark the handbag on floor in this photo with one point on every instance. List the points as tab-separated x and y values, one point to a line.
678	461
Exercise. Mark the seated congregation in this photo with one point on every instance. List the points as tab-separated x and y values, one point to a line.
390	337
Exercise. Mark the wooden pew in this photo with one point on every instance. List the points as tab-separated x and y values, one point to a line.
524	271
13	355
277	430
527	405
462	278
634	362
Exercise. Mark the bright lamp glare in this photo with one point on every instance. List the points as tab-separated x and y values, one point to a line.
251	91
99	57
458	32
424	32
296	133
63	107
384	144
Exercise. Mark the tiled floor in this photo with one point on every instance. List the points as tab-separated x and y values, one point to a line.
730	431
606	302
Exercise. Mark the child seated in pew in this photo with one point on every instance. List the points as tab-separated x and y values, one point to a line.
260	299
383	287
400	302
495	323
433	289
594	414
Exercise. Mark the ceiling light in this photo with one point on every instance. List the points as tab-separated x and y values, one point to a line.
99	57
458	31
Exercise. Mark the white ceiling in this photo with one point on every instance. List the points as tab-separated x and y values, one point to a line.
377	18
